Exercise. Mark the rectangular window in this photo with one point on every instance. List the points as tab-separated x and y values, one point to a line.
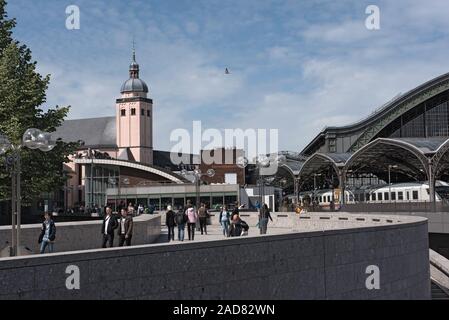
415	194
123	112
386	197
133	111
320	200
148	113
142	112
408	195
379	196
400	195
393	196
367	197
373	196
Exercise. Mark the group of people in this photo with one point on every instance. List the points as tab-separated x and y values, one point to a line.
187	216
231	223
123	225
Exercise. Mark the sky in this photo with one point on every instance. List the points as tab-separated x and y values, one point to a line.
296	66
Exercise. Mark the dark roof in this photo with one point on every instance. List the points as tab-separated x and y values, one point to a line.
163	159
361	126
426	145
94	132
134	85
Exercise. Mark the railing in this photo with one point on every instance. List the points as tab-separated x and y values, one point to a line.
396	207
439	271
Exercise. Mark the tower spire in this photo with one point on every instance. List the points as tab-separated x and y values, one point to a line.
134	67
134	50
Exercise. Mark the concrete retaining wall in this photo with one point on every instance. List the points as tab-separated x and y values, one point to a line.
329	264
72	236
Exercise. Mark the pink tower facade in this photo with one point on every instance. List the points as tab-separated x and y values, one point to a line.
134	119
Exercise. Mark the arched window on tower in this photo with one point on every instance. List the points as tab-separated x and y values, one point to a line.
133	111
123	112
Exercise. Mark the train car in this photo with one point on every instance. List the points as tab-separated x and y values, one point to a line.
400	192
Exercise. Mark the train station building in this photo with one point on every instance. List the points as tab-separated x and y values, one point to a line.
405	140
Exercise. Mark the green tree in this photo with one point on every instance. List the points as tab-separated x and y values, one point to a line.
22	93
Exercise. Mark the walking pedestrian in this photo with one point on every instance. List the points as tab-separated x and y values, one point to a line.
192	217
235	211
264	215
203	214
140	210
131	209
108	227
48	234
223	219
125	228
238	227
180	220
170	223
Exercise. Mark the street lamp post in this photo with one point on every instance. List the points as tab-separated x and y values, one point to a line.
262	162
32	139
389	179
197	175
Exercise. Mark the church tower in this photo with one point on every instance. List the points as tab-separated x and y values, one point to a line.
134	119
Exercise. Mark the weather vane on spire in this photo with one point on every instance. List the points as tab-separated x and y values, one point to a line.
134	49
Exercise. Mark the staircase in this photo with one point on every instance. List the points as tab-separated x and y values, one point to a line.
438	293
439	276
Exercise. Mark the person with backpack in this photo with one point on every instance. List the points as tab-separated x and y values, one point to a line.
48	234
180	220
223	219
192	217
170	223
264	215
238	227
203	214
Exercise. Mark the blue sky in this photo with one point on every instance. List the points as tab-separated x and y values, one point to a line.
296	66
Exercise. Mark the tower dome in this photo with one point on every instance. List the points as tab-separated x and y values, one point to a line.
134	84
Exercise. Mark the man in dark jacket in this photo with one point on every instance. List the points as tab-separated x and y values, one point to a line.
48	234
264	215
108	227
203	214
238	227
170	223
125	228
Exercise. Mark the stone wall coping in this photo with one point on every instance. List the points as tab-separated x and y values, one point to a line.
144	217
96	254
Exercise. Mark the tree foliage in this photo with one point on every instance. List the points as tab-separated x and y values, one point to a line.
22	94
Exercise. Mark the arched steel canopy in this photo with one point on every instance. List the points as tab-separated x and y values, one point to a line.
321	161
403	157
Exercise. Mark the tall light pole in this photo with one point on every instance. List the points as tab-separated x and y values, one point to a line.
262	163
32	139
389	179
197	175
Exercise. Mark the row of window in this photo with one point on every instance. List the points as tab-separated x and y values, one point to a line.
379	196
133	112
